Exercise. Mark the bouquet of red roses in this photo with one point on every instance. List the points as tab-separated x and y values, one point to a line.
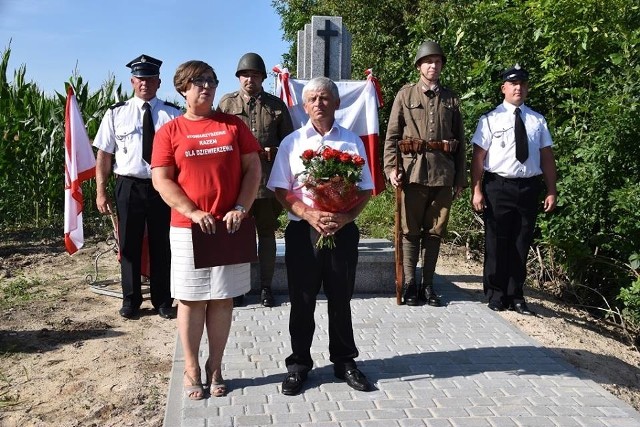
331	176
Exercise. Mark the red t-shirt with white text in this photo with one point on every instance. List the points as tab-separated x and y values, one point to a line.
206	154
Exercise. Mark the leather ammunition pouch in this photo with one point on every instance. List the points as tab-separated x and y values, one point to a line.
411	145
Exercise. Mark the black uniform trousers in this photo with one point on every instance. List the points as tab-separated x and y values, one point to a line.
308	269
509	219
140	205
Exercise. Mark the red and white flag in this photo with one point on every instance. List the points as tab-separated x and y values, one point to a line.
80	165
358	112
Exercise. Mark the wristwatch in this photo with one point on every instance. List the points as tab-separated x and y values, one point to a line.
240	208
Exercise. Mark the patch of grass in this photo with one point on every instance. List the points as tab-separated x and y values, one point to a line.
153	398
377	219
19	290
6	399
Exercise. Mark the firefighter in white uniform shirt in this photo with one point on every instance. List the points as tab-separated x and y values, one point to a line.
121	148
511	160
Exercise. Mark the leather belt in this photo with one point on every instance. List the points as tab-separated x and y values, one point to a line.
490	176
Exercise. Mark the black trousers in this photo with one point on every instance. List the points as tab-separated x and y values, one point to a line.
140	205
334	270
509	219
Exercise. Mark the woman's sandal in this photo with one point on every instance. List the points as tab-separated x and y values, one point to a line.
194	390
217	388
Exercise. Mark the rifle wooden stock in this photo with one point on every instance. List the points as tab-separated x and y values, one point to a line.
398	231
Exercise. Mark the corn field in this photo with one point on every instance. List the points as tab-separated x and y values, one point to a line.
32	146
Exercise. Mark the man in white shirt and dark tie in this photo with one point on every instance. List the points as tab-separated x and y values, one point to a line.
511	153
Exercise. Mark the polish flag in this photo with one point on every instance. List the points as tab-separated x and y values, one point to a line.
80	165
358	112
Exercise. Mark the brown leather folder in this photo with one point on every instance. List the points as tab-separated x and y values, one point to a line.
224	248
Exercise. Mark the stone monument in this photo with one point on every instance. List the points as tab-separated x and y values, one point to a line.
324	49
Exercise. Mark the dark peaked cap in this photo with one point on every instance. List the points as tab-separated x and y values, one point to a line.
145	66
515	74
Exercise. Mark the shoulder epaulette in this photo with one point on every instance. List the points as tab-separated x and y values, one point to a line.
171	104
119	104
408	85
486	113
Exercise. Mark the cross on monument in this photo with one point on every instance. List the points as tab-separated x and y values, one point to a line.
324	49
327	33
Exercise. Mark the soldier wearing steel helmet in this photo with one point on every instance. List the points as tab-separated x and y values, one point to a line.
426	129
268	118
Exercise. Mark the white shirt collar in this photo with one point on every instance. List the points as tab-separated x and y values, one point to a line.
511	108
310	131
139	102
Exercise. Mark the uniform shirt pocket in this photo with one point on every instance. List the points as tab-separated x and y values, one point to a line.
415	113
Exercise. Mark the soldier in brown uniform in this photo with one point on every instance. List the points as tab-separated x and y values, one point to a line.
269	120
425	128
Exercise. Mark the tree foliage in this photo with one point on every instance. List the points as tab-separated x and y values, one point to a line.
582	56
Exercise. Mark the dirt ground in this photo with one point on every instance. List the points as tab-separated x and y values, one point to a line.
68	359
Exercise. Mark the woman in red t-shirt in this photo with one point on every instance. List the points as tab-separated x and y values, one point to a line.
205	165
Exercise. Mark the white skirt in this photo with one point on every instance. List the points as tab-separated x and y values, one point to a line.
191	284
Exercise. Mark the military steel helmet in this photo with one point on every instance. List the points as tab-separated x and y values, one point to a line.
429	48
251	61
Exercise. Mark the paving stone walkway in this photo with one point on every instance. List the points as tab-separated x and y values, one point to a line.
461	365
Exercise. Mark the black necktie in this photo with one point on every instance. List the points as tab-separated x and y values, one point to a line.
148	132
522	144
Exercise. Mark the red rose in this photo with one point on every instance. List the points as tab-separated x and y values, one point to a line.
345	157
358	161
329	154
308	154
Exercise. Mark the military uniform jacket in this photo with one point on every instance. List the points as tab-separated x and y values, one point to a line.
269	121
414	114
120	134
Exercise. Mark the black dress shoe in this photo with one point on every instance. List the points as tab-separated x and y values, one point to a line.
293	382
166	312
266	299
128	312
521	308
238	301
496	306
355	379
411	294
427	295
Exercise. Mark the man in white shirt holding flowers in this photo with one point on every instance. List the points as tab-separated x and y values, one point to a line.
321	245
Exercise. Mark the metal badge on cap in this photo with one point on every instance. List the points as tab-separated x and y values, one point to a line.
515	73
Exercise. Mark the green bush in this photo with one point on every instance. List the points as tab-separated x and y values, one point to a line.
630	296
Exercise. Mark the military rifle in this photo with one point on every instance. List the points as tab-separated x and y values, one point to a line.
398	229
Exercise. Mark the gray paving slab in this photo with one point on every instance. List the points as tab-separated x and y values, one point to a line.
454	366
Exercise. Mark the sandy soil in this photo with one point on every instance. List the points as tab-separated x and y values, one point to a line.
68	359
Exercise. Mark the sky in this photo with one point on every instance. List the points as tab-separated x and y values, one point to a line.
52	38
